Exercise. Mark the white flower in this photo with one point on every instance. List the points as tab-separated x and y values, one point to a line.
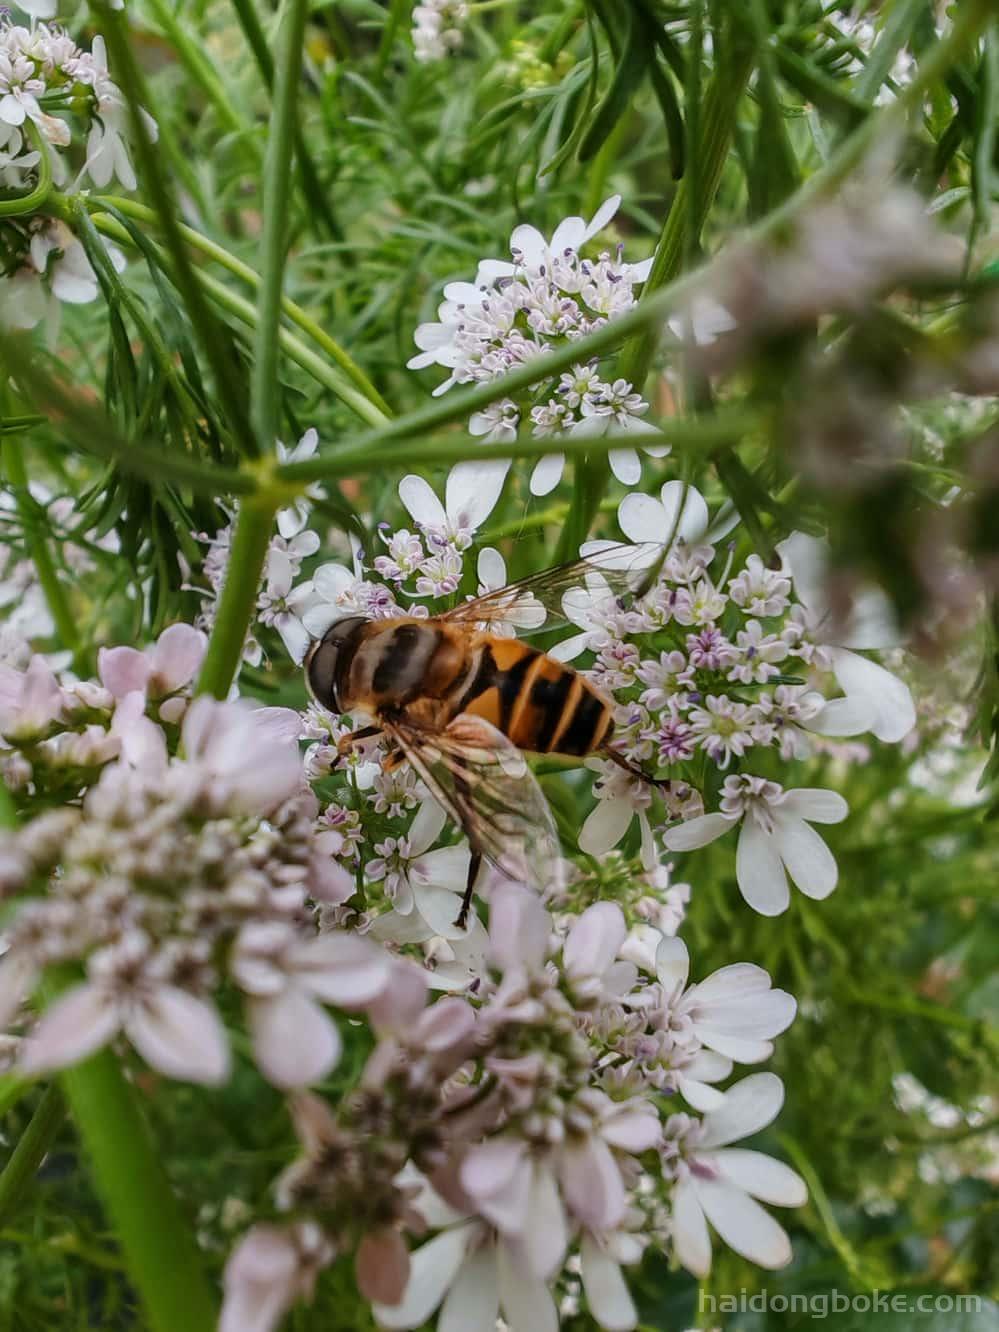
470	495
680	514
292	520
719	1184
284	607
875	699
424	885
620	798
775	837
617	410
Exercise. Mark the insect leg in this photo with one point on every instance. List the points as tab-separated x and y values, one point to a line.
466	902
633	770
348	742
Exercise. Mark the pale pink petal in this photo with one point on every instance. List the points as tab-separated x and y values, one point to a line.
446	867
759	872
743	1224
591	1183
381	1266
472	1303
342	968
261	1280
633	1126
697	832
525	1300
691	1240
605	1288
546	1234
179	652
432	1268
180	1035
806	857
519	927
749	1106
331	581
295	1043
594	939
76	1025
498	1175
17	979
762	1177
123	670
445	1024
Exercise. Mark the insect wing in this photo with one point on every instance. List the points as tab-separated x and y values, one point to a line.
539	602
487	787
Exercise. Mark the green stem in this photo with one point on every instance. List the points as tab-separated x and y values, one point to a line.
162	1258
368	404
265	390
32	1147
31	203
38	549
237	604
12	1088
821	1203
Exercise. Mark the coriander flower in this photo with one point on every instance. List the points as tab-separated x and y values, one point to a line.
775	840
470	495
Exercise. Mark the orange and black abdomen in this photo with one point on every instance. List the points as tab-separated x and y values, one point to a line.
539	703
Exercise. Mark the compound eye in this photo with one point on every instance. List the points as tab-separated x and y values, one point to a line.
320	674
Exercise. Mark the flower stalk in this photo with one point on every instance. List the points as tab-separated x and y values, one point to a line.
32	1147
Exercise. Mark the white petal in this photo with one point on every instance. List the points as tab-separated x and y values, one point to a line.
295	1043
691	1240
421	503
332	580
762	1177
438	907
74	1026
806	559
685	510
464	293
594	939
699	1095
871	623
808	860
735	981
895	714
525	1300
843	716
180	1035
491	568
739	1048
472	491
750	1105
432	1268
547	473
759	872
531	244
602	216
546	1235
472	1303
605	825
816	804
592	1184
570	234
569	649
697	832
426	827
672	964
642	518
743	1224
626	466
606	1291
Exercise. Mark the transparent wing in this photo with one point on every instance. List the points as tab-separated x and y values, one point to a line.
484	783
538	602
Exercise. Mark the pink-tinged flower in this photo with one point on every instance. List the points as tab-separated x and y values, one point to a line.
720	1184
381	1266
142	744
283	607
288	980
519	930
251	754
775	840
292	520
174	1031
590	954
170	664
875	699
270	1269
30	701
601	1257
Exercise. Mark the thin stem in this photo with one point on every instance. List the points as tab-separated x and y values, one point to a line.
293	347
265	401
38	549
133	209
254	525
162	1258
32	1147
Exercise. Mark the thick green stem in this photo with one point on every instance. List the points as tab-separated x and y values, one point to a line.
162	1258
254	525
38	549
32	1147
265	390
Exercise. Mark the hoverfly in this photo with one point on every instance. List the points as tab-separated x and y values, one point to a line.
462	702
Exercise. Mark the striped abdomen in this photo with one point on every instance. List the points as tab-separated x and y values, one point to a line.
436	671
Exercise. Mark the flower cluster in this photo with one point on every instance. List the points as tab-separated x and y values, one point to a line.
437	28
548	295
44	75
521	1123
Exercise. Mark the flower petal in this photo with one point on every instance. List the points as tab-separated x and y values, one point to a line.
295	1043
685	511
432	1268
547	473
743	1224
750	1105
605	824
594	939
420	502
759	872
806	857
672	964
180	1035
762	1177
472	1303
525	1300
697	832
606	1290
895	714
691	1239
76	1025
